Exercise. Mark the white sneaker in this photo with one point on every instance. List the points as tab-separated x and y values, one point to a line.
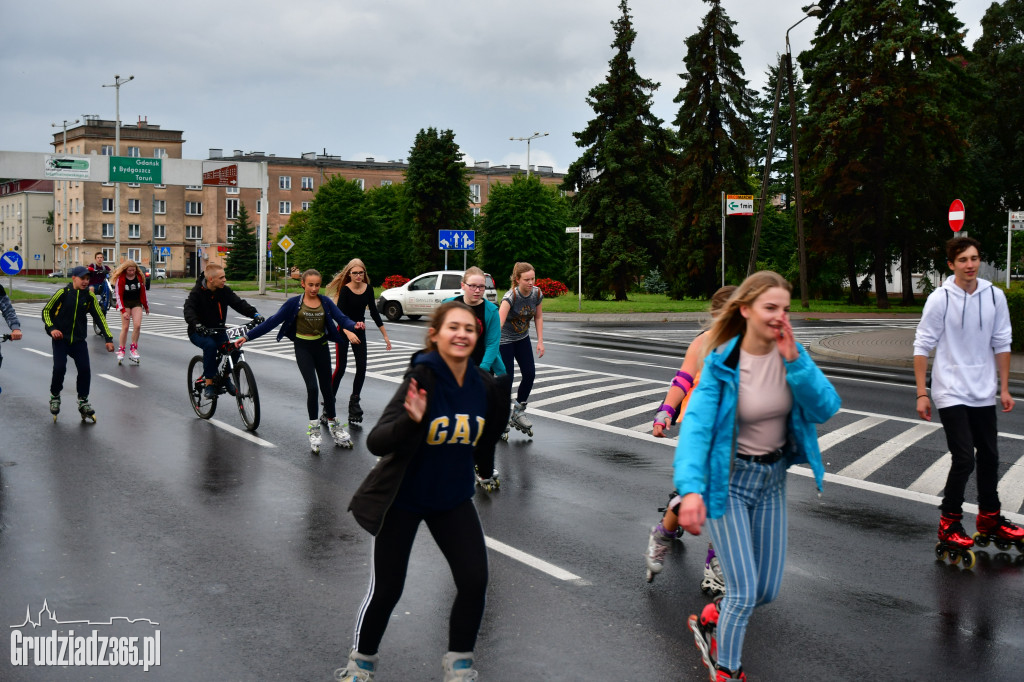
458	666
360	668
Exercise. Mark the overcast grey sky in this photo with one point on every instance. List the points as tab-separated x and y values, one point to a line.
358	79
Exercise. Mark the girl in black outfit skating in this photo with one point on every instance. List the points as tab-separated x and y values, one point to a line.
442	422
352	291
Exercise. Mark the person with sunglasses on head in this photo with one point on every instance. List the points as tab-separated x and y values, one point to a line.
351	291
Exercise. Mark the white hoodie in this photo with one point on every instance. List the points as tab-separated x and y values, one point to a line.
968	330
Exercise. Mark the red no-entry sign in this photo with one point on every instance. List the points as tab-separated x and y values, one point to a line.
956	215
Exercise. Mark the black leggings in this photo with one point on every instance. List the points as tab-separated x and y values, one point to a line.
79	352
314	361
522	352
461	539
341	359
971	437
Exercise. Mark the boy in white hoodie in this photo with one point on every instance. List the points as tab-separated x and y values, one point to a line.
967	321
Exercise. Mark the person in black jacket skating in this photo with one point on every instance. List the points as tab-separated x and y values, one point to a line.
443	421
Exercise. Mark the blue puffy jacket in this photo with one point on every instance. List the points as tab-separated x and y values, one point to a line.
707	437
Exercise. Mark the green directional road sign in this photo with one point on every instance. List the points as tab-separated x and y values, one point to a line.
135	169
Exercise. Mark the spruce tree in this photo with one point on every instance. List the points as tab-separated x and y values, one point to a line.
716	144
243	259
621	179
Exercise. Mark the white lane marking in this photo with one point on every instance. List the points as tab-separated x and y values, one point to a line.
625	414
530	560
933	480
156	303
117	381
884	453
917	420
616	350
243	434
839	435
614	361
38	352
574	384
1011	486
580	394
614	399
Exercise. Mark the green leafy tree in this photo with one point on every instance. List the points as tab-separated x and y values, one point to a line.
242	260
394	256
885	131
524	221
341	226
717	144
294	230
621	179
436	195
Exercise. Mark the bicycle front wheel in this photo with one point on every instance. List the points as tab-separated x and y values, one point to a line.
247	395
203	406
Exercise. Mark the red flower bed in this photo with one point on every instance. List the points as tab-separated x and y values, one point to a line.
552	287
394	281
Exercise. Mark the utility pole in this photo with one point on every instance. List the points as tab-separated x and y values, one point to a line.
64	183
117	152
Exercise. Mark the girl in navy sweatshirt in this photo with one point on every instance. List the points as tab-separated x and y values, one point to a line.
442	422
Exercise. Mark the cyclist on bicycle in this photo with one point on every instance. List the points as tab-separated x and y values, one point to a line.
98	274
206	309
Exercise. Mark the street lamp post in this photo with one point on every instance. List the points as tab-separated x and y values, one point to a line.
64	183
527	140
117	152
809	11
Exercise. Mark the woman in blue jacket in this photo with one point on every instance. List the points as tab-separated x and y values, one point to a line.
310	321
749	419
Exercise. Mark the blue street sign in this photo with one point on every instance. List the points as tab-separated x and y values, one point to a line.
37	256
165	251
456	240
11	263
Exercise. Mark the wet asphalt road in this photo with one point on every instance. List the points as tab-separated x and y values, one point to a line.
243	555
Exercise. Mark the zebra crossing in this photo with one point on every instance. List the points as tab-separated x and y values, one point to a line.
855	445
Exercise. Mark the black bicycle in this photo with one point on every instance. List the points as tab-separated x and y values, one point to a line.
232	367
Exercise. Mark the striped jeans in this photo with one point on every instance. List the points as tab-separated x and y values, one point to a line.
750	542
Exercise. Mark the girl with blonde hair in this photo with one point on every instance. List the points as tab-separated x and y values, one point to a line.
751	417
521	304
352	292
130	294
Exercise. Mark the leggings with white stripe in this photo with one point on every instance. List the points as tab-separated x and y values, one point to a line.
750	542
461	540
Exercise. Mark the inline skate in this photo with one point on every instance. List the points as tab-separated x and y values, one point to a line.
313	431
488	484
994	528
85	409
713	583
360	668
954	541
458	666
133	353
355	413
55	406
704	629
518	420
658	542
341	437
120	355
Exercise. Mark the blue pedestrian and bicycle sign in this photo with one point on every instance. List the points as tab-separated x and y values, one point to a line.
165	251
456	240
11	263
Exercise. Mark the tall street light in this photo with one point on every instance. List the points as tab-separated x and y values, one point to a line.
809	11
527	140
64	183
117	152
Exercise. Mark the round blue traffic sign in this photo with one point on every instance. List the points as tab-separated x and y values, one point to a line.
11	263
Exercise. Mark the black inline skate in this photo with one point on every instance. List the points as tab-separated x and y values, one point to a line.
355	413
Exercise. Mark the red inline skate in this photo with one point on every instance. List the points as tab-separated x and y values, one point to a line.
996	529
954	541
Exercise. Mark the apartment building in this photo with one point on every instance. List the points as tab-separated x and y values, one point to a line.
24	208
196	222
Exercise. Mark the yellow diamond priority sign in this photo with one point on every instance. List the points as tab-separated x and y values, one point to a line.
286	244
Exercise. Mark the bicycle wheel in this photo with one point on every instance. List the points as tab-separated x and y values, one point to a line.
247	395
203	406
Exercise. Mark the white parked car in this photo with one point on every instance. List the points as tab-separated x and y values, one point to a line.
420	295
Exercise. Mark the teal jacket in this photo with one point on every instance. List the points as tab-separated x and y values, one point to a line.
492	328
707	437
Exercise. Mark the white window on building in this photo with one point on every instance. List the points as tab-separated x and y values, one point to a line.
193	208
107	150
159	206
231	232
108	184
78	205
385	183
474	194
135	254
232	209
160	231
134	232
160	153
134	184
108	205
108	254
195	187
259	206
360	182
305	205
307	182
284	207
134	151
232	190
161	257
284	182
108	230
475	210
134	206
194	232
